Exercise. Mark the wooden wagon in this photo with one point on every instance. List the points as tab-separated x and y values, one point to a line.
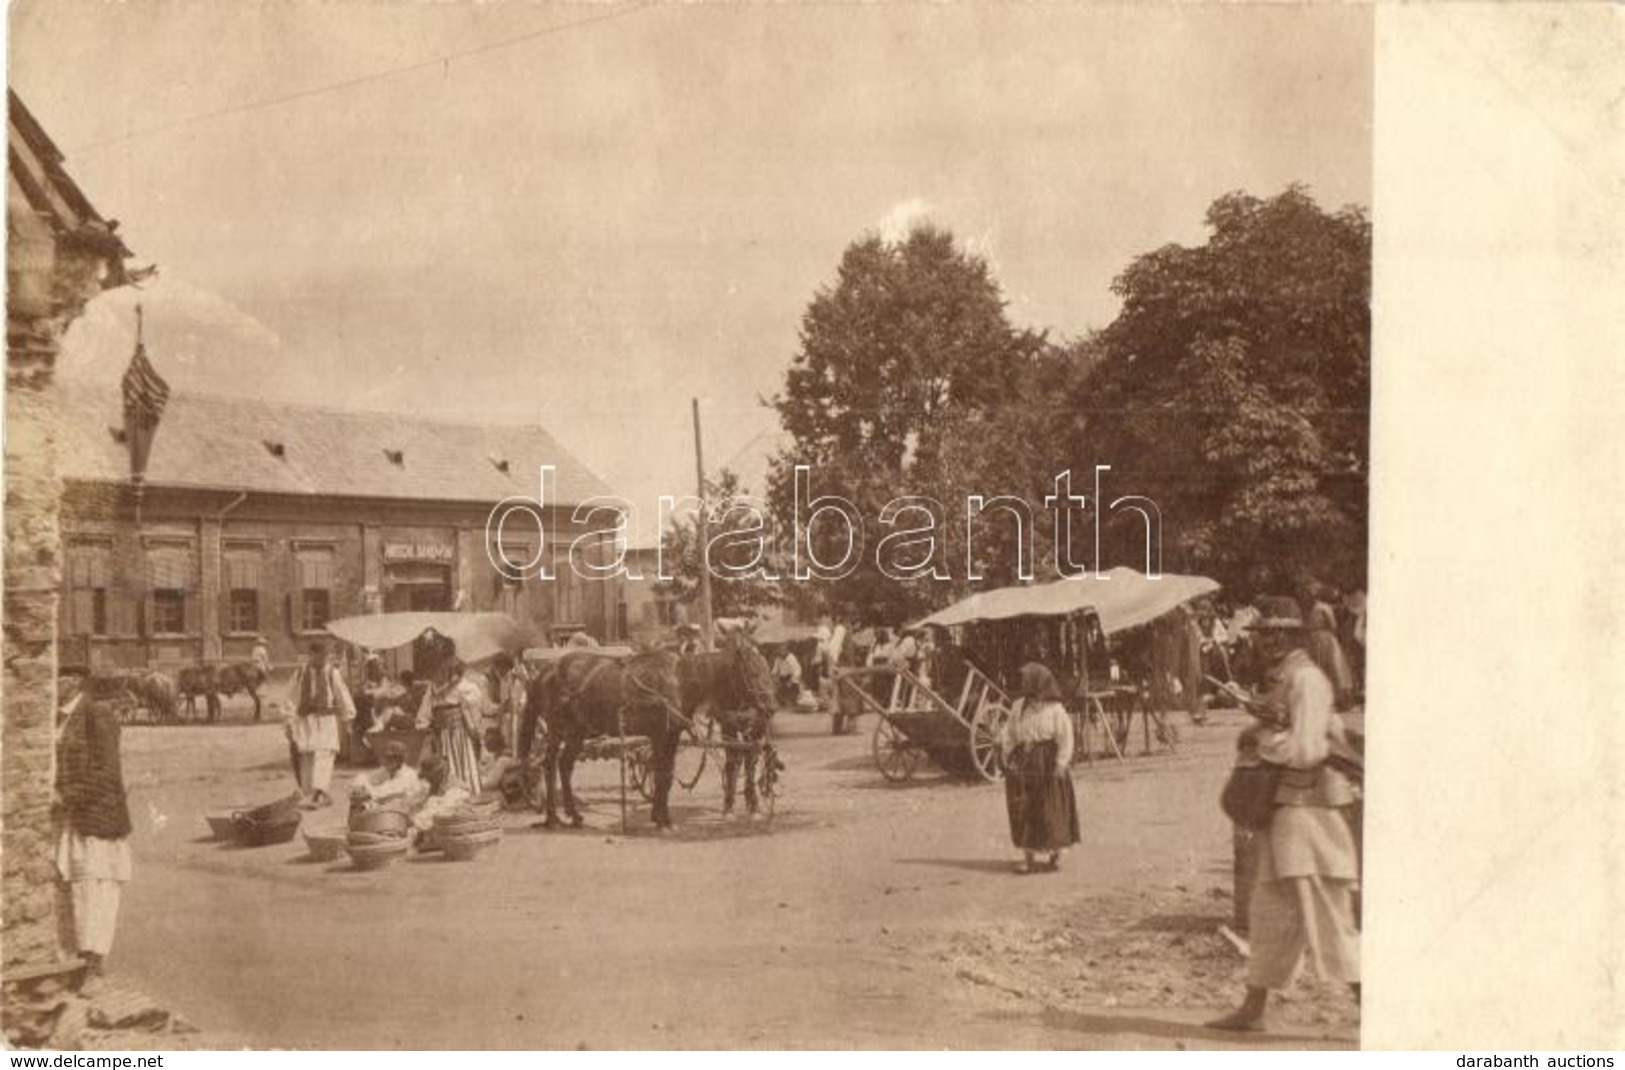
956	720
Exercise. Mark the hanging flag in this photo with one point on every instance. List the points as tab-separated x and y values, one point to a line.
145	395
145	392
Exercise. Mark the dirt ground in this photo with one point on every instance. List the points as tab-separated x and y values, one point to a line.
862	914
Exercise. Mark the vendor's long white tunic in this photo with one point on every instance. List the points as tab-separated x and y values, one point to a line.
80	858
1307	868
318	730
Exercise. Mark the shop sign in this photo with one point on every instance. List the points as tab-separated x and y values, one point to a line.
419	551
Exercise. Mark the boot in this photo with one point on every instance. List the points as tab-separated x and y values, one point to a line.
1249	1017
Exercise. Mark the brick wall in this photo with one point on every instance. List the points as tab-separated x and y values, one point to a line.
47	290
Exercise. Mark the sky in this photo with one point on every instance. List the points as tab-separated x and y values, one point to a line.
583	215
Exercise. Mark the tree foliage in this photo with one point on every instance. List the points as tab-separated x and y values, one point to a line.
1233	389
909	343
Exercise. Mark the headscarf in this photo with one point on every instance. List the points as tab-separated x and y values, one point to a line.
1038	684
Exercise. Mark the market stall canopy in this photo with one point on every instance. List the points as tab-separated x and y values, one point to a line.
478	635
776	631
1122	598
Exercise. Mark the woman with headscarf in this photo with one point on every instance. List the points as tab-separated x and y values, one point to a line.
1320	623
455	710
1038	793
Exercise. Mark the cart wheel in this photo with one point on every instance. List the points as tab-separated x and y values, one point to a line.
637	766
693	750
985	731
896	757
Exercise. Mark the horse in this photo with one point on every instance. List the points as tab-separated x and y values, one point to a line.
587	694
212	681
156	693
735	687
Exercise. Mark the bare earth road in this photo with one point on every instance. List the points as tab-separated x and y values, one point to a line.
863	914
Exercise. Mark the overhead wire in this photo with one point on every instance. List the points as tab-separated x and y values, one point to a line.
444	60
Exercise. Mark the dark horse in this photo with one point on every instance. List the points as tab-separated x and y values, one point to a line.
588	694
735	687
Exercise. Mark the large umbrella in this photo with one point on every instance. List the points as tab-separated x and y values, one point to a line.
478	635
1122	598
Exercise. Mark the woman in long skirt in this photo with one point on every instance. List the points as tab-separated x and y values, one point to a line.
455	712
1038	791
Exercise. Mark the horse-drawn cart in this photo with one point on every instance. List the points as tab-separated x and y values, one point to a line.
988	637
692	736
961	737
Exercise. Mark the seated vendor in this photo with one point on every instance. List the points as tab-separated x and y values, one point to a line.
392	786
443	794
500	771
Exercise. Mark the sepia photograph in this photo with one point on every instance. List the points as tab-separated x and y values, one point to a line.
687	526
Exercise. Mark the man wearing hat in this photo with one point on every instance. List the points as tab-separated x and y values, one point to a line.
1302	902
93	846
688	639
320	699
395	783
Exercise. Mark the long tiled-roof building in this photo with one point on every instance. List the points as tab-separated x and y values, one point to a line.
266	518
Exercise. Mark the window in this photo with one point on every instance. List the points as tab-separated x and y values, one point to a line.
243	591
168	611
88	570
667	609
315	607
169	589
622	620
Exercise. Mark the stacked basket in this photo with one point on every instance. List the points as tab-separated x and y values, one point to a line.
376	838
326	844
466	831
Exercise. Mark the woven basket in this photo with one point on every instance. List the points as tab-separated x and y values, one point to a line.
262	834
386	822
326	845
273	813
221	823
371	839
464	821
464	848
376	855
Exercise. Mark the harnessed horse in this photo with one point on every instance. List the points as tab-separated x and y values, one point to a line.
588	694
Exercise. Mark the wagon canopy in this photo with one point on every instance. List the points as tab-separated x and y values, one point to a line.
1122	598
478	635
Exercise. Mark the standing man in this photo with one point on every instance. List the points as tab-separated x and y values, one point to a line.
787	671
320	701
1307	868
261	658
93	845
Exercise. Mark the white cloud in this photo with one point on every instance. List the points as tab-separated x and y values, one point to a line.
197	339
903	217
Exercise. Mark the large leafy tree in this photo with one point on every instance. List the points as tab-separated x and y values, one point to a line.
910	341
1233	389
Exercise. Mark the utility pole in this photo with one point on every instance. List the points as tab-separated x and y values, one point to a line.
702	534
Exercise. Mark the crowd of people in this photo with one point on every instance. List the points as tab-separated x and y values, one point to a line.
1301	663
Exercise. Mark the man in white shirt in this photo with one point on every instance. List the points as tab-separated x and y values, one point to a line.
395	785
